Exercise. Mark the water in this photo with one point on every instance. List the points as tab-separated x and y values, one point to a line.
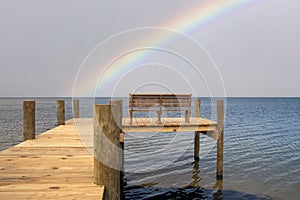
261	150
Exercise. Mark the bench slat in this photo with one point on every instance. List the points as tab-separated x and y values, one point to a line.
159	102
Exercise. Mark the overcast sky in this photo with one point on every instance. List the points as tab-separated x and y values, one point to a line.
43	43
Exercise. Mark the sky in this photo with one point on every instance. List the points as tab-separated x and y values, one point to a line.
113	48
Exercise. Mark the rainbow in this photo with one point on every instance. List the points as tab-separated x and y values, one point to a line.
191	20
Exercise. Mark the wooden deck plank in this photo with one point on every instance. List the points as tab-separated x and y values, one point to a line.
56	165
145	125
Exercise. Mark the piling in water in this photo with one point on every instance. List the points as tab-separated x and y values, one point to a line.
76	108
220	141
28	120
107	150
197	108
60	105
197	133
197	145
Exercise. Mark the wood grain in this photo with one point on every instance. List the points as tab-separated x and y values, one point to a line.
220	141
56	165
28	120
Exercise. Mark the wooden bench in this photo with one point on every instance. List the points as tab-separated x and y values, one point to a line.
160	103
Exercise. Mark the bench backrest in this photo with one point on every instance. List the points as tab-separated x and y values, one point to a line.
168	102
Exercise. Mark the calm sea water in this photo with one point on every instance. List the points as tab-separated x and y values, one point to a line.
261	150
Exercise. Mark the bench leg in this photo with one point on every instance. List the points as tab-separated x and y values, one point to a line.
159	116
130	113
187	116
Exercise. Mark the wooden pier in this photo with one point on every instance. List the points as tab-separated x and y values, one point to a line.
58	164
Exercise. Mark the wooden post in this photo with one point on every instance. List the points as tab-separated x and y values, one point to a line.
76	108
117	111
60	105
188	112
220	141
159	112
118	115
197	145
122	171
187	116
28	120
197	108
197	134
107	151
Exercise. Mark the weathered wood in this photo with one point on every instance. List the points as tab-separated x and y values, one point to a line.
160	103
188	111
122	139
187	116
220	141
53	166
60	106
76	108
171	125
117	110
118	115
122	171
122	147
107	152
197	145
29	120
145	125
197	108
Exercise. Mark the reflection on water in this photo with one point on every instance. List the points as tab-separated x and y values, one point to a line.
192	191
219	189
195	177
